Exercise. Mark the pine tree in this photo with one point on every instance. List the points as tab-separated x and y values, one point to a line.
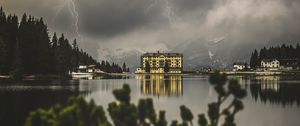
17	69
2	55
124	68
75	55
54	60
147	67
166	67
43	47
252	64
256	61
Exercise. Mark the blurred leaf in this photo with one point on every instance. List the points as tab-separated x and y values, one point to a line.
202	120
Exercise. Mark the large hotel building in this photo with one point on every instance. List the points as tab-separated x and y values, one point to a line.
157	63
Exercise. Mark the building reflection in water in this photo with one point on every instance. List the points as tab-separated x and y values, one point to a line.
275	90
161	85
242	80
269	83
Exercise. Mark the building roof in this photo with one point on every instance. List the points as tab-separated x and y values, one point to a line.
164	54
82	67
268	60
239	63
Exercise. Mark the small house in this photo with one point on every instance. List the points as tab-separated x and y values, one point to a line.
239	66
270	64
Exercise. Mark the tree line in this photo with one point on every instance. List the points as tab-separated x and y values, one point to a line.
278	52
26	49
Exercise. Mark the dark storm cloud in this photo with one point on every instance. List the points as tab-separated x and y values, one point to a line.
110	17
188	5
149	25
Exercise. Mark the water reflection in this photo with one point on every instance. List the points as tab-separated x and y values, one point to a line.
275	90
20	98
161	85
104	76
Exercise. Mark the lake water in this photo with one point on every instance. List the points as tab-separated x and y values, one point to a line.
270	101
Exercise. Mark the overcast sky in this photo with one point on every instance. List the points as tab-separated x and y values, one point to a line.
163	24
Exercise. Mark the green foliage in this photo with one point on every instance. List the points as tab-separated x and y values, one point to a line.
162	119
81	113
123	113
123	95
77	113
174	123
202	121
236	89
186	114
218	79
146	111
224	89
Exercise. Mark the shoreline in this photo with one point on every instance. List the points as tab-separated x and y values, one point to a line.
262	73
230	73
36	77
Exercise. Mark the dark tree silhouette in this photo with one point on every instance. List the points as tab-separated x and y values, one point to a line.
2	55
166	67
78	112
283	52
124	68
17	68
38	54
254	59
219	81
147	67
186	114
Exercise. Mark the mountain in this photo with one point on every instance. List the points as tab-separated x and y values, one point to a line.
197	53
130	55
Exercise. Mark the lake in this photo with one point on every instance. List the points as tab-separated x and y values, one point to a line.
270	101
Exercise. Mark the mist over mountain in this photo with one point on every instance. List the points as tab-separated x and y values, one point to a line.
195	54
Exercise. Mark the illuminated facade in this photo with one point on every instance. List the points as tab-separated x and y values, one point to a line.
157	63
160	85
270	63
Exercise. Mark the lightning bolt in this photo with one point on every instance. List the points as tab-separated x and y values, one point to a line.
74	12
150	6
70	4
170	13
168	10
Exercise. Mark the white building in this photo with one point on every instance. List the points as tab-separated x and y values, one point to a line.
240	66
88	69
158	61
270	63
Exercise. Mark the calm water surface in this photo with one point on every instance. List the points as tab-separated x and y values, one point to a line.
271	100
